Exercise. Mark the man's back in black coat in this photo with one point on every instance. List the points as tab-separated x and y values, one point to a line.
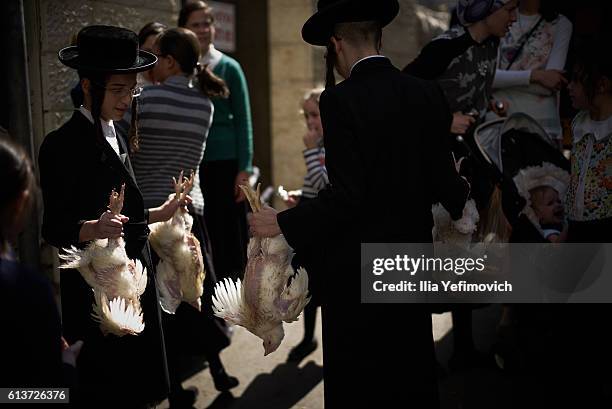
388	160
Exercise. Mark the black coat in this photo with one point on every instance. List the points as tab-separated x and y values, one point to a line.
388	160
77	174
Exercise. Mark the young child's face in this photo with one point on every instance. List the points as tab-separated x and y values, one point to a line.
312	116
118	96
547	205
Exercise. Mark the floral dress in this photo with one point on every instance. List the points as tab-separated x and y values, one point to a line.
589	197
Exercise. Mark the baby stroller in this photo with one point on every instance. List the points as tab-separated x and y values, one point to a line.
520	154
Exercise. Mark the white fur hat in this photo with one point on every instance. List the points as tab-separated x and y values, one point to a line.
546	175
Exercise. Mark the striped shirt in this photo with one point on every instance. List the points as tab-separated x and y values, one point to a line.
174	119
316	173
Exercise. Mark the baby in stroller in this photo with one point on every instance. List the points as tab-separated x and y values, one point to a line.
547	205
544	188
532	174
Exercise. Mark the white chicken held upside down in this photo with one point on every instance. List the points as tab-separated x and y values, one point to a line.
270	292
180	271
117	281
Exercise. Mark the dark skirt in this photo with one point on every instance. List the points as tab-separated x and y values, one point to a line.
225	219
193	332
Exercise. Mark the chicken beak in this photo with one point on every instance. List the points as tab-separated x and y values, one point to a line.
267	349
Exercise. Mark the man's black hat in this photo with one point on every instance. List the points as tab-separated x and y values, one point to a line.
319	28
107	49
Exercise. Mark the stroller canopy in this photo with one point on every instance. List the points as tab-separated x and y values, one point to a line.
516	142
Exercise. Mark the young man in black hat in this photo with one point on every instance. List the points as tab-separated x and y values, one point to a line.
388	157
80	164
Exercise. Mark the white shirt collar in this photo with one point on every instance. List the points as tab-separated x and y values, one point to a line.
212	57
586	126
108	129
365	58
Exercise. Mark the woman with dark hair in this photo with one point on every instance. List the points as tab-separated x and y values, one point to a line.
147	34
146	37
33	348
531	62
81	163
174	123
228	158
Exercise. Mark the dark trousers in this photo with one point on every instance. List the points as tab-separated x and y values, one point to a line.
225	219
370	363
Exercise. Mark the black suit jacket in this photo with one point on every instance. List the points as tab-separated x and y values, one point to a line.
388	159
77	174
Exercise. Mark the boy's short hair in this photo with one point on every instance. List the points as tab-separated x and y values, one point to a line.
360	32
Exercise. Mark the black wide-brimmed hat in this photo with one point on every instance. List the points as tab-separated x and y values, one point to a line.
107	49
319	28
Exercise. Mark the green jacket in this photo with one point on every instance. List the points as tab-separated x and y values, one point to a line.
231	133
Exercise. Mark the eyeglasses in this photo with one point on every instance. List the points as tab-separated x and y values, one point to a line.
122	92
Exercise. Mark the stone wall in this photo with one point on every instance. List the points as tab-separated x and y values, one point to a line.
414	26
55	22
400	38
291	74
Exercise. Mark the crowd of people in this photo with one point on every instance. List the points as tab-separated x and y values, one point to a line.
166	100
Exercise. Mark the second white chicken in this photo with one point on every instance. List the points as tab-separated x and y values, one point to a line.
180	271
270	294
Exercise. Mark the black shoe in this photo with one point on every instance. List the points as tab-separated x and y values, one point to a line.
302	350
224	382
183	398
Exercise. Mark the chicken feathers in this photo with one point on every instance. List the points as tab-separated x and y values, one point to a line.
180	271
117	281
270	293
